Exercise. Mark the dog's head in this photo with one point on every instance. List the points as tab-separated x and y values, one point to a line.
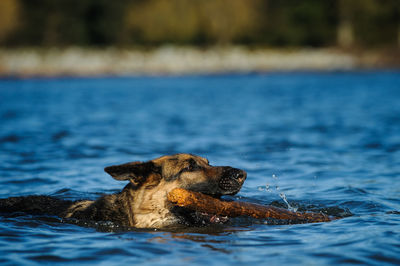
181	171
151	181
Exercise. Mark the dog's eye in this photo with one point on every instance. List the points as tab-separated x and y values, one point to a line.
192	166
188	169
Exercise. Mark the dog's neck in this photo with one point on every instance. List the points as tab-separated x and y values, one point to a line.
148	207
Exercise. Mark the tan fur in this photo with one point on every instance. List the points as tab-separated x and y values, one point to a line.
151	207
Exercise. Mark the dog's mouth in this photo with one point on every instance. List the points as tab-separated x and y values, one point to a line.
229	184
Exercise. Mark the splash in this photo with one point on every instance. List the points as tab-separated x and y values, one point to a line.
281	194
290	208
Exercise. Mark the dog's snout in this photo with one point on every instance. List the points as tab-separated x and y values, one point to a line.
235	173
232	180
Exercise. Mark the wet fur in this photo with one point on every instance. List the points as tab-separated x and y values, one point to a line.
143	201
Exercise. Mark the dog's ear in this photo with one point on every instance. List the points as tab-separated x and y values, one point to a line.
136	172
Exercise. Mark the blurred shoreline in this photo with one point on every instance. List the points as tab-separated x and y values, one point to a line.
172	60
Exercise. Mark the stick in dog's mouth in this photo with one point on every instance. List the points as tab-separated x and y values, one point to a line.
209	205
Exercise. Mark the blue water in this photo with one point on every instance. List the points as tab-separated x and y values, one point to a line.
322	140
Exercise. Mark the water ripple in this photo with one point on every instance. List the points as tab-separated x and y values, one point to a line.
326	141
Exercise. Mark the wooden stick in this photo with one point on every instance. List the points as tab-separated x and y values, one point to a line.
203	203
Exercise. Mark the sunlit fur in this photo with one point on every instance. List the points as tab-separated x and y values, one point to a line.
143	201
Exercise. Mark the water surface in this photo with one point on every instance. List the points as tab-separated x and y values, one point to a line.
323	140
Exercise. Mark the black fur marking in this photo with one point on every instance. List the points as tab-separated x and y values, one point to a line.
174	177
193	166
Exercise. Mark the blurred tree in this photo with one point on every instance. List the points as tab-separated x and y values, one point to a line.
192	21
9	14
300	23
346	23
70	22
376	22
157	21
104	21
227	21
345	30
368	22
51	22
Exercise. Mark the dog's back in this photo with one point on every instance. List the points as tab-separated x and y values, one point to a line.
34	205
107	208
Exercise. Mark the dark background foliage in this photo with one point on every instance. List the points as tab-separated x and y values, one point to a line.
283	23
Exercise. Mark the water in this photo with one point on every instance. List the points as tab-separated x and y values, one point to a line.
319	140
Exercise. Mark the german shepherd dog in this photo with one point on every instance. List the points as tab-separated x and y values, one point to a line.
143	203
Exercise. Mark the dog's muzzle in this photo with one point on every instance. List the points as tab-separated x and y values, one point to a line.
232	180
227	181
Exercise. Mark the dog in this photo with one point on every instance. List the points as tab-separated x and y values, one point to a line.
143	203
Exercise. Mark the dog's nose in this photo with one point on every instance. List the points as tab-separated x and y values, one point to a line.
237	174
240	174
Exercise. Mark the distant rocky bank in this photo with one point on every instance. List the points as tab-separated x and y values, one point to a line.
182	60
